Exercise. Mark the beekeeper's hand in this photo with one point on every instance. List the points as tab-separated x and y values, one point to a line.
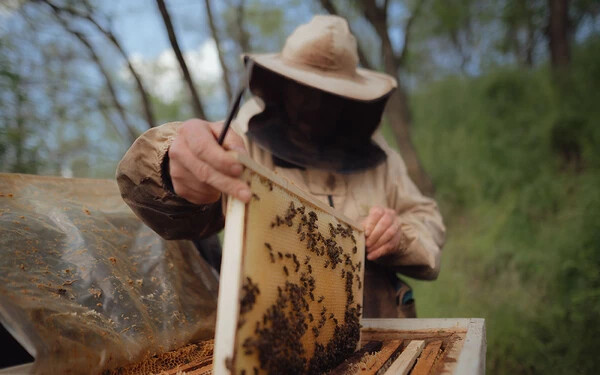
200	168
382	232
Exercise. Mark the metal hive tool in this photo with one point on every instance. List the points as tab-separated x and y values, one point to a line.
291	282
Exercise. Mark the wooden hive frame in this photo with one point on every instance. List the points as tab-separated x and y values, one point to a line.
328	321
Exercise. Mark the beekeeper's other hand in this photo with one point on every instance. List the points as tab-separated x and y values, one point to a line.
382	232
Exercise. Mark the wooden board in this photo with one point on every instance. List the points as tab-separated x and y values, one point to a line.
291	281
427	358
384	358
405	361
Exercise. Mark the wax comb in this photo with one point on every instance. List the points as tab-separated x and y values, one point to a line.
291	284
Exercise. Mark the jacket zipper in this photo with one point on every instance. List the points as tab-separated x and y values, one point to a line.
330	198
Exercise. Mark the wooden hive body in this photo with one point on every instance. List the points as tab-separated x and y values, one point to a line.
291	282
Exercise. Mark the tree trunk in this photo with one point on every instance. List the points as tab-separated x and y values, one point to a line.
558	33
397	110
145	98
196	103
217	39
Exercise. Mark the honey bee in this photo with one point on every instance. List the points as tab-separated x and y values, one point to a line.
315	331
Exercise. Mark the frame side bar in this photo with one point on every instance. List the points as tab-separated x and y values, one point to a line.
229	288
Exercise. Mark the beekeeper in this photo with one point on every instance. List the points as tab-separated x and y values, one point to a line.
312	118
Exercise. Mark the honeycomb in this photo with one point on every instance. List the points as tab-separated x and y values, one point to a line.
301	285
191	359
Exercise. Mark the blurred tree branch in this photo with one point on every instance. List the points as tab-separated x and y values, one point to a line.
196	102
243	38
408	31
107	32
129	129
215	35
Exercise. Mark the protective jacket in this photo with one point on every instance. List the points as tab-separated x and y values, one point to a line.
142	176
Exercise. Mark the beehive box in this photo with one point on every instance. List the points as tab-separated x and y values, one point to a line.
291	282
389	347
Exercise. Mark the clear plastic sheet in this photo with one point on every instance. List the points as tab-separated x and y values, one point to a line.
85	286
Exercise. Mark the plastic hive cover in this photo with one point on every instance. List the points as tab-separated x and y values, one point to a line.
85	286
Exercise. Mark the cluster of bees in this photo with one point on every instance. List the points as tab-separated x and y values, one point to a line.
249	293
315	241
277	337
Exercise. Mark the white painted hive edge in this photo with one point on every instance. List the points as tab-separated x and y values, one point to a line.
416	324
472	356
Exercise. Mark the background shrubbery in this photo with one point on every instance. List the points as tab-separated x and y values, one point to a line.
515	158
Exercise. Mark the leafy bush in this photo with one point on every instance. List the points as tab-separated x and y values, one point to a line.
515	158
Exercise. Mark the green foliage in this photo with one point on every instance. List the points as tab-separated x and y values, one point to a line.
170	111
451	15
525	22
515	159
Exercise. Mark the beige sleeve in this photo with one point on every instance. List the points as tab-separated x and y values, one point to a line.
142	176
420	221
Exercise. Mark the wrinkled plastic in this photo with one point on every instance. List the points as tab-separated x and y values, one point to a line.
85	286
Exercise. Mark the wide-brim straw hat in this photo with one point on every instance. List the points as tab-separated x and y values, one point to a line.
323	54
